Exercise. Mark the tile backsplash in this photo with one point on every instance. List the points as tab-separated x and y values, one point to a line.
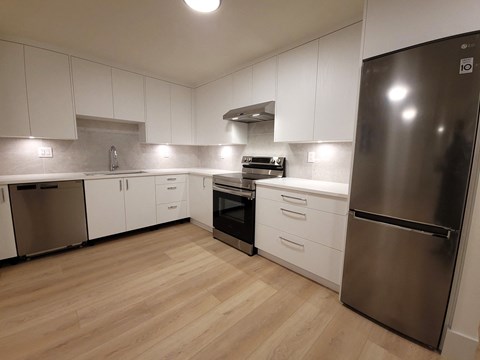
332	160
91	153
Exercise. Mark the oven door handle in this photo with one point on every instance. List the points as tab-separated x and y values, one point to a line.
250	195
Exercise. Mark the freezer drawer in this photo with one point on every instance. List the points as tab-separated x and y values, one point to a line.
399	277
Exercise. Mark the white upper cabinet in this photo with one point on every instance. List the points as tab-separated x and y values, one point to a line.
168	113
128	96
157	100
211	102
49	93
393	25
13	91
181	114
337	84
295	106
242	87
264	79
255	84
92	84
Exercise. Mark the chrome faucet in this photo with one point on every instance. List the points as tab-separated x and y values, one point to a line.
113	158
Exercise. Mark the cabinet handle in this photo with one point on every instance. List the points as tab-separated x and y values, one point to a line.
286	198
291	242
171	179
3	195
172	207
127	183
204	182
121	188
293	212
171	188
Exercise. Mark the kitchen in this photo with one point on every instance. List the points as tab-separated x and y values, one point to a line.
331	161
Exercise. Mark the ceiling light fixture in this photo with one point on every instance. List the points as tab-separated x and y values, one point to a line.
204	6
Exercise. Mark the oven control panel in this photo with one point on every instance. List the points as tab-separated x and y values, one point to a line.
267	161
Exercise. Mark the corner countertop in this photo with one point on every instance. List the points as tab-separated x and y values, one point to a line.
95	175
311	186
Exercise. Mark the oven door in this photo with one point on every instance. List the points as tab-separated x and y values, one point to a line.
234	212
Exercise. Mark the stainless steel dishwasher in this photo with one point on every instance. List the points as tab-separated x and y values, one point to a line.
48	216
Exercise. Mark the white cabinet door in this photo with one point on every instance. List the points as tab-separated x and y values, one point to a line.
393	25
92	84
264	79
295	105
242	88
211	102
181	115
49	92
105	207
157	100
140	207
128	96
8	247
201	199
337	84
13	91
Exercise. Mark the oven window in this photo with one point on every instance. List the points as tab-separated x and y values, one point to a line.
232	210
234	215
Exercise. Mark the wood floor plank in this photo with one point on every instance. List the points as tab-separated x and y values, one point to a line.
177	293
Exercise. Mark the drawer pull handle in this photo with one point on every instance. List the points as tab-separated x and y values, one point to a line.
293	212
171	179
171	188
172	207
286	198
291	242
120	181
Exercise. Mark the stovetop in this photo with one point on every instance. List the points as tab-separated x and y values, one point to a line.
254	168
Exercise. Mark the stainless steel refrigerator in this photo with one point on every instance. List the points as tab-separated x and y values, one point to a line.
415	139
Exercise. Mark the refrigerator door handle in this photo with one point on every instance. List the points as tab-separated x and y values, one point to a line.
446	235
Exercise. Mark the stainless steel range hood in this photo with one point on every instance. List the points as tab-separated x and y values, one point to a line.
253	113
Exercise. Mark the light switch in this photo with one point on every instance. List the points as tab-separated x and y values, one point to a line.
45	152
311	157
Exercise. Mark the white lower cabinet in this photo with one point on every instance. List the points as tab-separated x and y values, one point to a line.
171	198
118	205
201	199
311	256
8	248
303	229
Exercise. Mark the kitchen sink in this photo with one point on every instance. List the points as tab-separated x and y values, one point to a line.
126	172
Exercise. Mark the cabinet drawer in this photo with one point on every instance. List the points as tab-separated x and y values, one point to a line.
171	193
313	257
317	226
171	212
318	202
169	179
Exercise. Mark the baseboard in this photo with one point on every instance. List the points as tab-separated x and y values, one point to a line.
202	225
303	272
458	346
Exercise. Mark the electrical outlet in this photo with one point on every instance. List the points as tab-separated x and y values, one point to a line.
45	152
311	157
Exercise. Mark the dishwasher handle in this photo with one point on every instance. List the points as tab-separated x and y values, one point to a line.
48	186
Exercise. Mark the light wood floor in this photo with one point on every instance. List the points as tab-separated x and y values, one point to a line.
176	293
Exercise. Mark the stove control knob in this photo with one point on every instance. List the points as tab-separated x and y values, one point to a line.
279	161
272	161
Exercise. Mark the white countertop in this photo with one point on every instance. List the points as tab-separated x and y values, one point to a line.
17	179
305	185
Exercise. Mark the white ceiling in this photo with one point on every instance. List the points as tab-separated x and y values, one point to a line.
167	39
